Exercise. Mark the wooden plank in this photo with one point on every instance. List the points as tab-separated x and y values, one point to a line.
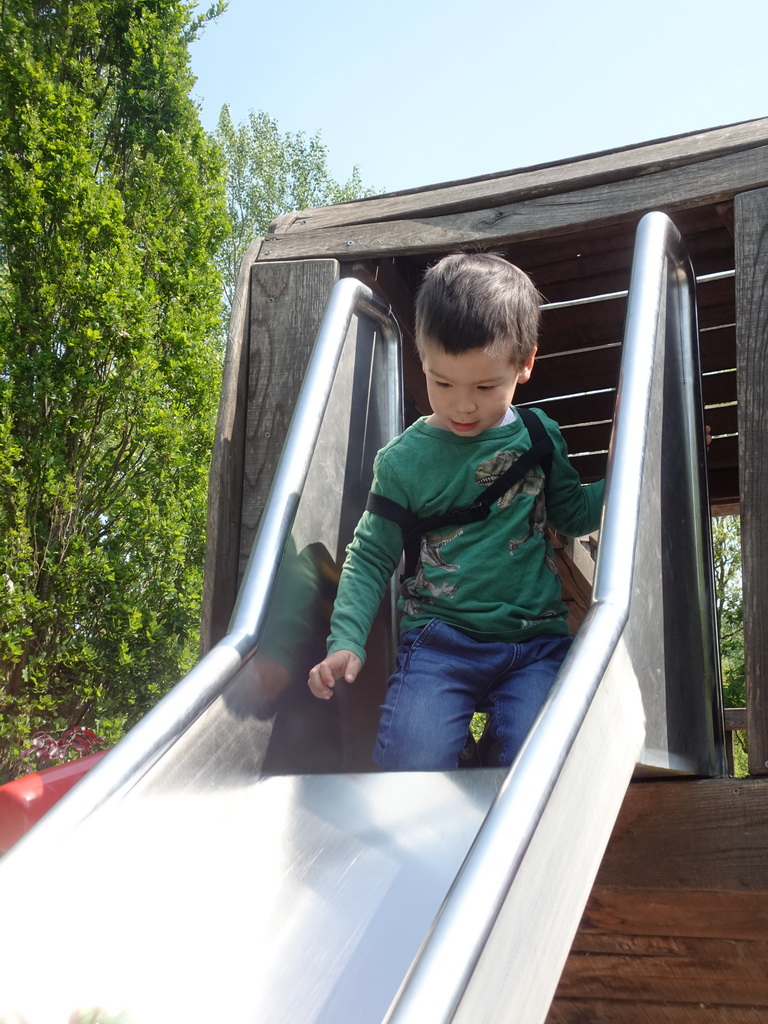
679	912
591	437
585	408
711	181
286	307
718	348
560	345
576	566
608	1011
590	467
701	972
543	179
716	304
735	718
225	481
722	419
675	928
724	489
724	451
709	834
592	324
601	256
610	944
598	259
597	1011
751	226
587	326
718	388
571	373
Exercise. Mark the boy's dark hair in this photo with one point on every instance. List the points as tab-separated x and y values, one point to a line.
478	300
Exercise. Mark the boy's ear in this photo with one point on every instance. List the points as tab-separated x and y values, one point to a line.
527	368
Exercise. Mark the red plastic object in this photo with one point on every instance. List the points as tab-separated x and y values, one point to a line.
24	801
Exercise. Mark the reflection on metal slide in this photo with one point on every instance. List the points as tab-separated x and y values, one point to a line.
242	861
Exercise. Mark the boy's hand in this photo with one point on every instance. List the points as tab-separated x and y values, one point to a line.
339	665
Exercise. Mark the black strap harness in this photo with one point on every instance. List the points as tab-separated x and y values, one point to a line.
414	528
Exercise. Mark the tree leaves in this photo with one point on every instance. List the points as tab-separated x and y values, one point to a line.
116	233
269	173
111	211
726	542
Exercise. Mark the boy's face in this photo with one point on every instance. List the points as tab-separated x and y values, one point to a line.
471	392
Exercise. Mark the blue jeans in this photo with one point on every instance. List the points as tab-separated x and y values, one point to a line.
443	676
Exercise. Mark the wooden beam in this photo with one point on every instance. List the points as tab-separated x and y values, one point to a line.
696	835
225	480
751	227
710	181
724	488
526	183
674	947
575	558
719	388
675	928
286	307
680	913
735	718
608	1011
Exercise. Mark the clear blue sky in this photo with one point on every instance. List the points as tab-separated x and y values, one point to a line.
424	91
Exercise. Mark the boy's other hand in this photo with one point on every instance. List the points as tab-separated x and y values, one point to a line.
339	665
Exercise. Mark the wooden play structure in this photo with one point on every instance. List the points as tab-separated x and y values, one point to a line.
616	874
676	929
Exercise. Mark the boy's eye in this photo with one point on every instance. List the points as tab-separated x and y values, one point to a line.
442	384
485	387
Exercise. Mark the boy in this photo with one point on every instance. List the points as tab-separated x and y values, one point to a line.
483	624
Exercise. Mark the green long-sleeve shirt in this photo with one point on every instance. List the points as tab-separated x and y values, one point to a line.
495	579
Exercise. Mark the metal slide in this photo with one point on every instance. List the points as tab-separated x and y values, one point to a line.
240	862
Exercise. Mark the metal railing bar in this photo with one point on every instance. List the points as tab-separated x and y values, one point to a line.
720	275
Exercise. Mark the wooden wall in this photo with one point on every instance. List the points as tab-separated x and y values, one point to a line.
278	309
751	222
675	929
571	226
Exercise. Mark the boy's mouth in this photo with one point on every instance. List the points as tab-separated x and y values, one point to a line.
464	426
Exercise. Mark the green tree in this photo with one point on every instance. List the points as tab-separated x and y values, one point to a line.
270	173
111	211
726	543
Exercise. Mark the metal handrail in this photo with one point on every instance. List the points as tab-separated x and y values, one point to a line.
441	972
142	747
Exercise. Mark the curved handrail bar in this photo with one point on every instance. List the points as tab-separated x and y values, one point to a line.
174	713
440	974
